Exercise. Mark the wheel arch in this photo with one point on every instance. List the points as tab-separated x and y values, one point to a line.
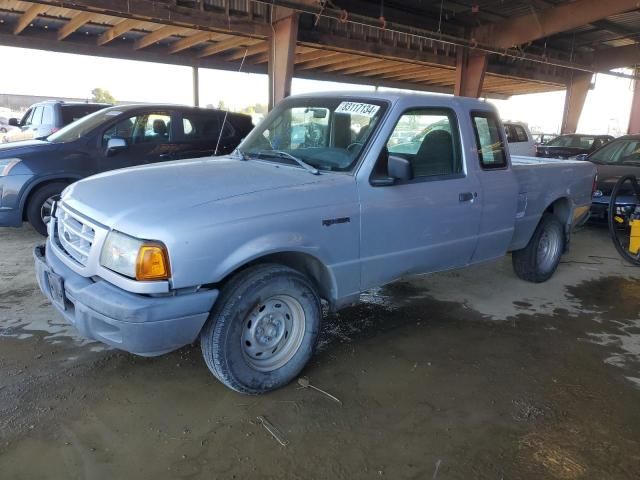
309	265
39	183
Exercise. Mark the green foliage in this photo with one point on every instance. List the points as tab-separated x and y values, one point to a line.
100	95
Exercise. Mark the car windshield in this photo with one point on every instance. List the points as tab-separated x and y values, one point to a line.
326	134
618	152
81	127
572	141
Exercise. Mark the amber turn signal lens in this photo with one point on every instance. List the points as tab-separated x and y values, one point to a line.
152	263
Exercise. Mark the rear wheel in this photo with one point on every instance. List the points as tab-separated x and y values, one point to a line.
262	330
539	259
40	203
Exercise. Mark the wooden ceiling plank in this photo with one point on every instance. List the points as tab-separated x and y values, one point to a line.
157	35
225	45
118	29
28	16
77	21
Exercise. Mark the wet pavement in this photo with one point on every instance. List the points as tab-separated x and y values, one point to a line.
460	375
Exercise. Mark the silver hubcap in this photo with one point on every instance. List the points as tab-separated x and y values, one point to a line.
548	249
45	209
272	332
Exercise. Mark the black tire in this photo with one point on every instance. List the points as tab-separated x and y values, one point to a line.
36	202
240	302
527	263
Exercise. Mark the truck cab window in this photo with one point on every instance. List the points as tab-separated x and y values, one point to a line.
489	141
429	139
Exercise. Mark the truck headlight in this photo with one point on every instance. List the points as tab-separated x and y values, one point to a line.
134	258
6	164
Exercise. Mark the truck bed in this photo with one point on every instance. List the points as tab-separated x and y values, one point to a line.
541	181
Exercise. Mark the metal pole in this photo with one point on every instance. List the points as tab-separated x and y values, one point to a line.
196	86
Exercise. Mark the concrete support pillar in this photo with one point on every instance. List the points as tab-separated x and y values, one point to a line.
470	69
577	90
282	54
196	86
634	118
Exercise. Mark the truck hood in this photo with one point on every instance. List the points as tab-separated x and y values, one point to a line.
160	191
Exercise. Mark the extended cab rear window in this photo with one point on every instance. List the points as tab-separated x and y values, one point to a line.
489	140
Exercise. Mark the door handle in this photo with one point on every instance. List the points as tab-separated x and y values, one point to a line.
166	155
467	196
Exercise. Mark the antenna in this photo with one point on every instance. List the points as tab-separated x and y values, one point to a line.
226	113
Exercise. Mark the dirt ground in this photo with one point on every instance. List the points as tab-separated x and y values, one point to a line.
471	374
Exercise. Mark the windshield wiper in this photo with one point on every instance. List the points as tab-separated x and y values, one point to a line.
281	154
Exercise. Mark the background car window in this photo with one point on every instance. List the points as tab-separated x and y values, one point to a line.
71	113
489	142
199	127
26	118
432	143
521	135
36	119
48	117
620	151
143	128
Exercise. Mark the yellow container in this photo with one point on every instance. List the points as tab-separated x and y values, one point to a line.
634	241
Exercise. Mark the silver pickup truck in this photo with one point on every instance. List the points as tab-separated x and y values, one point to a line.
331	195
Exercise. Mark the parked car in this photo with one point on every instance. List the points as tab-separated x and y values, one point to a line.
519	138
4	125
543	138
34	172
572	145
44	118
239	251
616	159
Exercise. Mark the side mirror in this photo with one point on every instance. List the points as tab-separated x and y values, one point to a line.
115	145
582	156
14	122
399	168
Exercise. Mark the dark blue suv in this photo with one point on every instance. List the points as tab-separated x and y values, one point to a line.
33	173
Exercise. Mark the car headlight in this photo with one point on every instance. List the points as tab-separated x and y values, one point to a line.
134	258
6	164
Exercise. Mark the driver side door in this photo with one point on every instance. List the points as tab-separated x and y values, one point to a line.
430	222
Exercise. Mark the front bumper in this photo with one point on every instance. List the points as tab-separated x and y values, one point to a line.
140	324
600	206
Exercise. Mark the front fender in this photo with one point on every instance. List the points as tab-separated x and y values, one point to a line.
36	181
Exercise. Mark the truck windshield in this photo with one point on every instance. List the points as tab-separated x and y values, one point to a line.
327	134
81	127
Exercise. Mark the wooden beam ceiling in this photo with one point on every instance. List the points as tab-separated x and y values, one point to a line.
225	45
157	35
29	16
77	21
119	29
195	39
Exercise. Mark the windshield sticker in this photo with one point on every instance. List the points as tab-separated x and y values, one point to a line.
355	108
113	112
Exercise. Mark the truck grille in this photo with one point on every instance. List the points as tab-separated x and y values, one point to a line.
74	235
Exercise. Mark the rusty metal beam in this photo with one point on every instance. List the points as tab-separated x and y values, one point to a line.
574	101
77	21
28	16
634	117
526	28
282	56
618	57
470	70
157	35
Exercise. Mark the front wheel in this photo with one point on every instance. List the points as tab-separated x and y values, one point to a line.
262	330
40	204
539	259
